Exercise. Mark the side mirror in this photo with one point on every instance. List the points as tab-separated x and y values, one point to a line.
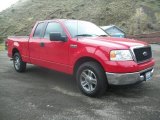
57	37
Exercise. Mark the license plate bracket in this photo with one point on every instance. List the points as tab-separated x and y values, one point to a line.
148	76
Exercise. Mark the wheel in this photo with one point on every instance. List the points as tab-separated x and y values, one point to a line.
19	65
91	79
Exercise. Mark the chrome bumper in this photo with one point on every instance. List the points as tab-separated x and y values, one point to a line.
127	78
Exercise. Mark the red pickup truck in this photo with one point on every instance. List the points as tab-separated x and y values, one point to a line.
83	49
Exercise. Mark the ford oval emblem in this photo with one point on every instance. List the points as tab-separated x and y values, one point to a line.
145	53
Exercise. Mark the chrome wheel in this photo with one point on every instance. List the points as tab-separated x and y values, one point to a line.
17	62
88	80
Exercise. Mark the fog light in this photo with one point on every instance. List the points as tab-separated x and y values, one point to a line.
152	72
142	77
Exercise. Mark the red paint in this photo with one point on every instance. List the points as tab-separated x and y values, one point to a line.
61	57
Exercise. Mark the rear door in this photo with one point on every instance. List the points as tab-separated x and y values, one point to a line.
35	43
55	53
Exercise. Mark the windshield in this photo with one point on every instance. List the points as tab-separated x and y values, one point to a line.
83	29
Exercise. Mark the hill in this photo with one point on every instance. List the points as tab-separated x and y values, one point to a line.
134	16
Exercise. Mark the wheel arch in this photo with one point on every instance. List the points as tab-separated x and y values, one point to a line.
14	50
82	60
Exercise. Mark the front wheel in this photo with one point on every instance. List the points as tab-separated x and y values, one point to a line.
19	65
91	79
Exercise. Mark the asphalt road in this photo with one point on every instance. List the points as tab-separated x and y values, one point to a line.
41	94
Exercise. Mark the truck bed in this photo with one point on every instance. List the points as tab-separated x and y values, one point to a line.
20	42
18	38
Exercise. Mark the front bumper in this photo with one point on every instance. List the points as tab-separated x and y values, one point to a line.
127	78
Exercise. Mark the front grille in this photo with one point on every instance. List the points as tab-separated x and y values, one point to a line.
142	54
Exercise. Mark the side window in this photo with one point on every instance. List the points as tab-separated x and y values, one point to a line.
38	30
53	27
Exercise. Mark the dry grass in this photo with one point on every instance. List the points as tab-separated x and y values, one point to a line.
133	16
2	47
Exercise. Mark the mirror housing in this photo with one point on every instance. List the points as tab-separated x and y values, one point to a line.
57	37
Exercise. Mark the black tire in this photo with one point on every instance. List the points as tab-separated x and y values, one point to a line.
97	74
19	65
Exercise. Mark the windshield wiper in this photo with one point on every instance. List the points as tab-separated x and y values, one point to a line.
103	35
85	35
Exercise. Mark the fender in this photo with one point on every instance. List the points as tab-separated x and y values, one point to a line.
98	54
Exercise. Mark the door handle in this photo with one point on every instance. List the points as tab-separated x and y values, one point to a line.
42	44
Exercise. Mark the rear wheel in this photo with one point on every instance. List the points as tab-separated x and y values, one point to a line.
91	79
19	65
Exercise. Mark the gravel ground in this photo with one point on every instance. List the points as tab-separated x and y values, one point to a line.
41	94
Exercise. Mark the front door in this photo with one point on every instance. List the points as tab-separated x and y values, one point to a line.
55	54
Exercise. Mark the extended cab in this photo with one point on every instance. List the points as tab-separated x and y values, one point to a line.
82	49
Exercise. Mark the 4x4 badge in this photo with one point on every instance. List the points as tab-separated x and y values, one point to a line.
73	46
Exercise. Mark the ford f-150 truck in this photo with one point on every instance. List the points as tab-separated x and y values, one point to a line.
82	49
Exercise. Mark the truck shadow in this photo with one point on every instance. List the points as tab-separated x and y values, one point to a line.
129	91
66	82
52	78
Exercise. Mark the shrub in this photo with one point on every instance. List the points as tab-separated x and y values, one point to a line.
1	39
13	10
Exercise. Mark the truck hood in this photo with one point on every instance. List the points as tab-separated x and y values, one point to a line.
111	42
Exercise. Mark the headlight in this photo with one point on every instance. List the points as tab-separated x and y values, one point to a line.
120	55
